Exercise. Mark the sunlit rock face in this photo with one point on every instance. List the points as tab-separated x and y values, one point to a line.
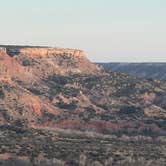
8	65
24	70
44	61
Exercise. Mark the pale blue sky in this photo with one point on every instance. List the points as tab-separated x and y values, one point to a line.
108	30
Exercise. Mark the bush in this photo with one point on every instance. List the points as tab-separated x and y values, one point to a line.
128	110
26	62
70	106
2	95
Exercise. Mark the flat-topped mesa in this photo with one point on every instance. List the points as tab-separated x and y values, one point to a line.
51	51
44	61
41	51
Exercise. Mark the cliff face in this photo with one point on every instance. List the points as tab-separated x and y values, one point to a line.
44	61
42	51
23	72
8	65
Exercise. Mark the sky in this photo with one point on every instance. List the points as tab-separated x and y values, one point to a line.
107	30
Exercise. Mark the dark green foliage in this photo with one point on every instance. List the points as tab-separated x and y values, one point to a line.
128	110
104	106
4	87
70	106
57	85
1	93
35	91
4	113
26	62
70	92
20	123
160	100
88	114
62	80
106	117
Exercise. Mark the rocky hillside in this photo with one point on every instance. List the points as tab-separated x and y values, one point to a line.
144	70
54	99
44	61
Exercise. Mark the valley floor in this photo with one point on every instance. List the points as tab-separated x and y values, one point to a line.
41	147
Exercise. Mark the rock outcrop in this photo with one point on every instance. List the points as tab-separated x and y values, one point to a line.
44	61
23	71
8	65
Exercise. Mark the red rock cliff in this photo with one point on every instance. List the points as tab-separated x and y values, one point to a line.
55	60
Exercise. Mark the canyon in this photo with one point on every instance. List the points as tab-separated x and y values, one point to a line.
58	108
147	70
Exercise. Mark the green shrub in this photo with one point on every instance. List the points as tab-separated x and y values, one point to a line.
2	95
70	106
